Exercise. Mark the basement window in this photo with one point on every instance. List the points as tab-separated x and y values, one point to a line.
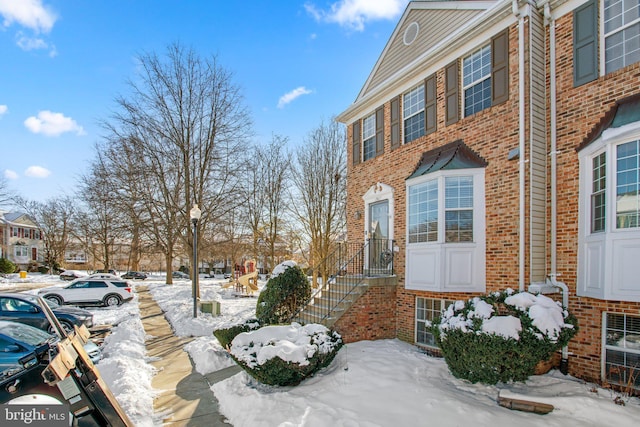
621	361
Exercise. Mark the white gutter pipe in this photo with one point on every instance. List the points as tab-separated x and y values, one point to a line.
521	144
551	22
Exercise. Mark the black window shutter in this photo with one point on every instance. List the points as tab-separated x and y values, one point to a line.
380	131
585	43
452	99
355	137
500	68
430	117
395	123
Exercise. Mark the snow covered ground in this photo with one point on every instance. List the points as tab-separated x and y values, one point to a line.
370	383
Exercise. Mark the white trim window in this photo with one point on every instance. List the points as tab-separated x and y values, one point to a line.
369	137
413	113
428	309
621	28
445	231
621	350
609	216
21	251
476	81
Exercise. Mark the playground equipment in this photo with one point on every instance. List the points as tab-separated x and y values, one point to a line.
247	283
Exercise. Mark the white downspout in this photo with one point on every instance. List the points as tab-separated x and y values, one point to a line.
550	20
521	144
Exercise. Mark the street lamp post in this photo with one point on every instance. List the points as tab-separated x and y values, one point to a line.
195	216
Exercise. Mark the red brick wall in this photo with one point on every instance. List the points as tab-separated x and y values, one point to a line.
579	110
371	317
492	133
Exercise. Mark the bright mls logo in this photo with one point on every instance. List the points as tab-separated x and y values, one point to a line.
34	415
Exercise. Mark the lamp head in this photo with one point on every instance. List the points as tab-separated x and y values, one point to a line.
195	213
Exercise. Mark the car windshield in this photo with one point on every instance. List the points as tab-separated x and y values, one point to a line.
25	333
34	300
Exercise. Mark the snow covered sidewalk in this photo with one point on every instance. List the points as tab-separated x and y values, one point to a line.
184	395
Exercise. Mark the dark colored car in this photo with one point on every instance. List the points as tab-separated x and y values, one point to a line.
179	275
134	275
25	308
108	271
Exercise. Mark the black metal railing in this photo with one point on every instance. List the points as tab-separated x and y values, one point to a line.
338	276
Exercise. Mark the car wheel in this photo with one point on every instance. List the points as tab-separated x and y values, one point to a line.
55	299
68	327
112	300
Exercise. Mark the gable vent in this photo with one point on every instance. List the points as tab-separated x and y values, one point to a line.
411	33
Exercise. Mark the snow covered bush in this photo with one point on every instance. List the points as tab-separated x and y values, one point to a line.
287	354
287	290
226	335
500	337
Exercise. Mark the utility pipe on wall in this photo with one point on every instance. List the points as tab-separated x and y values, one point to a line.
521	144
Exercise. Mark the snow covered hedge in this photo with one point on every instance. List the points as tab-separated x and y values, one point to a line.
286	292
500	337
287	354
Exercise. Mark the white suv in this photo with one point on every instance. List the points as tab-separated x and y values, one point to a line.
90	291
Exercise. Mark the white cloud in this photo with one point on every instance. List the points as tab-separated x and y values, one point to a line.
9	174
28	13
353	14
52	124
290	96
3	109
37	172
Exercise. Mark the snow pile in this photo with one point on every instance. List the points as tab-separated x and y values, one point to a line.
547	315
280	268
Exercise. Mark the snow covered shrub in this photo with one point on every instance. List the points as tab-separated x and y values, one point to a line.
287	290
287	354
500	337
226	335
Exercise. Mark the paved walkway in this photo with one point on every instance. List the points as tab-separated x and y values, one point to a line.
185	397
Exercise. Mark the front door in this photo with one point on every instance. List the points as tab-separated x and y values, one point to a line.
379	247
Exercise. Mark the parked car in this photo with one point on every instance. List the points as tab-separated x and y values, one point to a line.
101	276
24	354
71	275
108	271
107	292
26	309
134	275
179	275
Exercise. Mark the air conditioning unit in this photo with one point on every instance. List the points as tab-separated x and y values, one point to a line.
212	307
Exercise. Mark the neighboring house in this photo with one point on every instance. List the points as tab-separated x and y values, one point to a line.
497	145
20	240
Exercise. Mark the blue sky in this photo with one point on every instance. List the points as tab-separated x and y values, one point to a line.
64	62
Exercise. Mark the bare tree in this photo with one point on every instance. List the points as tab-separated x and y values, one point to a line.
6	195
54	218
104	217
269	178
320	179
185	125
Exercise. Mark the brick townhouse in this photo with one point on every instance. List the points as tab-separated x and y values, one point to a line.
497	144
20	240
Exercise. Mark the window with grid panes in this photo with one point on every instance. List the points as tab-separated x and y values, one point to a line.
413	113
427	309
598	195
621	26
628	185
423	212
459	209
622	350
476	80
369	137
